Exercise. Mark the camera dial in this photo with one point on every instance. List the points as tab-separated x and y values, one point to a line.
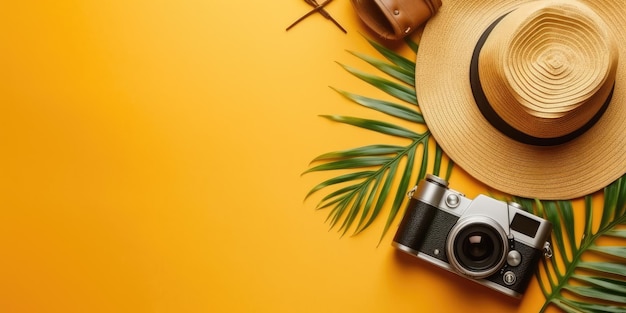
437	180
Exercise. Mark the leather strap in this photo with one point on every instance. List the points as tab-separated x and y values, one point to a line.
394	19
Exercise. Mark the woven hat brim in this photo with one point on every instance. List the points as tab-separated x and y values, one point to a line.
571	170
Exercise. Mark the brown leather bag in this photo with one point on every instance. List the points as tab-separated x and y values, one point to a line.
394	19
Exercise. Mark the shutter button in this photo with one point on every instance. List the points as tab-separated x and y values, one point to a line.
453	201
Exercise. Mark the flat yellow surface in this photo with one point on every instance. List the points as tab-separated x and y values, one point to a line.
151	159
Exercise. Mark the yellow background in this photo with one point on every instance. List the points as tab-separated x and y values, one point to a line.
151	159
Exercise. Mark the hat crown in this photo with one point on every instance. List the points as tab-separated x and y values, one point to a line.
548	67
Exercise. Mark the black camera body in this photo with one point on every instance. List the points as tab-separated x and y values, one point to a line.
494	243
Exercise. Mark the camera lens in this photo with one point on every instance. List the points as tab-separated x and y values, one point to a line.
477	248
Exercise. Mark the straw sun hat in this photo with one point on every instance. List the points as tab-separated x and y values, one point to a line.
528	97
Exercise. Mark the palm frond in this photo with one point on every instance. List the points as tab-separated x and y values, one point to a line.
586	274
395	58
399	90
383	172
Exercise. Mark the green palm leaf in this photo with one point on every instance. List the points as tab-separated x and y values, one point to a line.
585	274
378	173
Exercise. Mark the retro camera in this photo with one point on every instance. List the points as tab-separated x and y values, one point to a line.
492	242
